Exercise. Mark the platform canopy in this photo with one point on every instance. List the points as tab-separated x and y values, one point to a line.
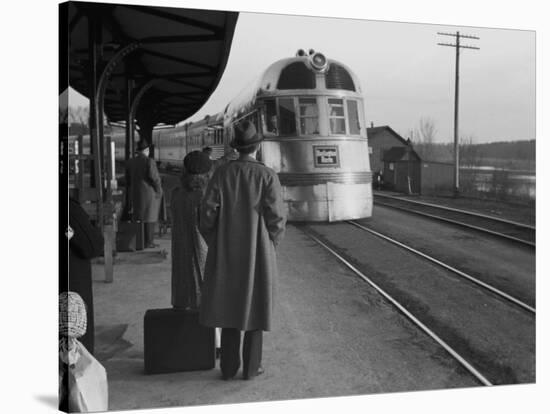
181	53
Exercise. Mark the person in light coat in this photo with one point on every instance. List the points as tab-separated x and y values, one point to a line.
242	220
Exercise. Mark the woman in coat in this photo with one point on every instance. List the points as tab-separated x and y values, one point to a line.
188	246
242	219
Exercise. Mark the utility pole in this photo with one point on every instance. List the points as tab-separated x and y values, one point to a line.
457	46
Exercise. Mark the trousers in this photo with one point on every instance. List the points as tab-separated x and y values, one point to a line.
230	360
149	233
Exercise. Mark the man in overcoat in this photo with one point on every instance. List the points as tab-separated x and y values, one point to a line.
146	191
242	220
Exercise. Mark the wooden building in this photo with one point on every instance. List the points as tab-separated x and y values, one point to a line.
393	160
436	177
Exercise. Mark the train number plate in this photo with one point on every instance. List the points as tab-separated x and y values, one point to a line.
326	156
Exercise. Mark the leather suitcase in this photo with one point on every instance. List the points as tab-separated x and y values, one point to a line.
174	341
130	236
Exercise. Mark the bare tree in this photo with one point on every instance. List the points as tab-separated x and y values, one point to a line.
469	159
79	115
63	115
469	152
425	134
426	130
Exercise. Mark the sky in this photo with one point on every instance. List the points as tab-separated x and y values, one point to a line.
404	74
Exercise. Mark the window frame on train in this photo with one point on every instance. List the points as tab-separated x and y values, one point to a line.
304	102
292	125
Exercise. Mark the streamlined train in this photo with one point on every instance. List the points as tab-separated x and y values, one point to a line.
310	112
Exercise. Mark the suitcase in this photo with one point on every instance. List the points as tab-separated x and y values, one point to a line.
130	236
174	341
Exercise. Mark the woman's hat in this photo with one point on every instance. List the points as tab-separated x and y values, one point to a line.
197	162
72	315
245	135
142	145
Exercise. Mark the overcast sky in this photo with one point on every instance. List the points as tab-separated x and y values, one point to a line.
404	74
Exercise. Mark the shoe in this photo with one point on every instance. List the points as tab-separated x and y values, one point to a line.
227	377
152	246
259	372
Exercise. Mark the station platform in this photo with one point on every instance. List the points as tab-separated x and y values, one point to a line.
332	336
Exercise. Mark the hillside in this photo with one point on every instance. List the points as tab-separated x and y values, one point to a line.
510	155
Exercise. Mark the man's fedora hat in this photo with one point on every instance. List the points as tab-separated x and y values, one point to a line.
245	135
142	145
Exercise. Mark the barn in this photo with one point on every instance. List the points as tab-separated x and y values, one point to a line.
393	160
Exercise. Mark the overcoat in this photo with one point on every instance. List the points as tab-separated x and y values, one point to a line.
188	248
242	219
86	243
146	188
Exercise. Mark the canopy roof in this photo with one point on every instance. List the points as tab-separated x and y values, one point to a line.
185	50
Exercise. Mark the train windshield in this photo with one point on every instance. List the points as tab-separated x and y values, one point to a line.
309	116
301	115
337	117
287	116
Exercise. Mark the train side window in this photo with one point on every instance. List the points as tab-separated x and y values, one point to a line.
309	116
271	126
353	118
336	116
287	116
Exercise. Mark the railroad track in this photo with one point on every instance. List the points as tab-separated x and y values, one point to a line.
506	229
456	340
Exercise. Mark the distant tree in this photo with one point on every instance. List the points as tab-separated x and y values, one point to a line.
63	115
424	135
426	130
470	154
79	115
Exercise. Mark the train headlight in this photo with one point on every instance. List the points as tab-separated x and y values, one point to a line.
319	61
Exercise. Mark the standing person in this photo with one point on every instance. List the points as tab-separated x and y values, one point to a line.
85	243
208	151
242	220
146	190
188	246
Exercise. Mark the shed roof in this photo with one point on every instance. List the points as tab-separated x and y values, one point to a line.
395	154
373	132
185	49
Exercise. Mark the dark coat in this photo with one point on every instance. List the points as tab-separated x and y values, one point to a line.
188	248
144	182
242	219
86	243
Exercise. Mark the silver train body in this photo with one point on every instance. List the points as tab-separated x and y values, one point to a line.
310	112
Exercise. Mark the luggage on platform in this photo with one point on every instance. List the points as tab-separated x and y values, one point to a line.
175	341
87	384
130	236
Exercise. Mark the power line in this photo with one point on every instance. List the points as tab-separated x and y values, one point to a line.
457	47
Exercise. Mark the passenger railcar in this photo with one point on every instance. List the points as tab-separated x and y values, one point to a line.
171	145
